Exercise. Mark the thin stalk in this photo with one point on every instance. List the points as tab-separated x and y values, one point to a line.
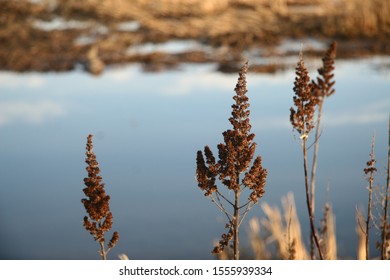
308	202
314	166
236	250
386	206
103	252
220	206
248	207
314	169
369	204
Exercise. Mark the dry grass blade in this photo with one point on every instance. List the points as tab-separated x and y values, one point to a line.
284	230
328	234
361	253
258	245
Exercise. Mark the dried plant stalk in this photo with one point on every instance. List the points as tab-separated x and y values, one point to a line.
322	89
328	234
385	234
256	242
233	168
284	229
369	171
97	204
361	246
302	120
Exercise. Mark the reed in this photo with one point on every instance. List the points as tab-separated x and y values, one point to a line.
233	169
99	219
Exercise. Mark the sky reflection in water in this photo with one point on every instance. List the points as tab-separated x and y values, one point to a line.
148	127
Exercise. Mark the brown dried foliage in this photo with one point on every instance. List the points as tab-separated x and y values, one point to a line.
225	240
97	203
302	120
321	89
302	117
324	85
235	156
369	171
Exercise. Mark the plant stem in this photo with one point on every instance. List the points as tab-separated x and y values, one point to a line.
103	252
314	169
308	202
236	225
386	206
314	166
369	205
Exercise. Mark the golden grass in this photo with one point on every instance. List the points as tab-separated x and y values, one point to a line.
282	230
361	244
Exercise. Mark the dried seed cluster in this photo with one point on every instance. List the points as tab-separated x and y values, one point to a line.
225	240
302	118
97	201
235	156
324	85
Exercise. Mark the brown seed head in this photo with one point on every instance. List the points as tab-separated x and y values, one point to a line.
302	116
324	85
255	180
235	156
97	201
114	240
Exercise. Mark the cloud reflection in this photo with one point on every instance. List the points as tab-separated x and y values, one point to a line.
29	112
12	80
372	113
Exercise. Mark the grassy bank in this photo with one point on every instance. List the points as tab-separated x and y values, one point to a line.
60	35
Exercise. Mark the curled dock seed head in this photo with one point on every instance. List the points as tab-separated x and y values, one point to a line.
224	241
206	175
114	240
97	201
302	117
235	156
255	180
324	85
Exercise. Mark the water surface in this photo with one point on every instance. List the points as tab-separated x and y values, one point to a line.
148	127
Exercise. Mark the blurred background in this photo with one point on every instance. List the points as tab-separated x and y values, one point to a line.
154	81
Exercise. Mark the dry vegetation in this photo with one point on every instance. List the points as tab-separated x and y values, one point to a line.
97	204
229	27
237	174
233	169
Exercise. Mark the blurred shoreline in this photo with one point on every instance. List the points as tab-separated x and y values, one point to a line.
62	35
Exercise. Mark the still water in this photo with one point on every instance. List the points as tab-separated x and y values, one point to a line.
148	127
